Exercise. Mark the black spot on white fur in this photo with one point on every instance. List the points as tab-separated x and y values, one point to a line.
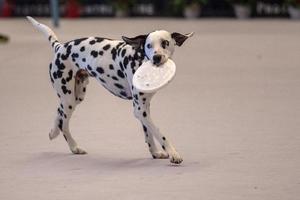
78	41
144	128
114	78
118	85
68	52
106	47
60	124
144	114
100	70
123	52
92	42
120	74
94	53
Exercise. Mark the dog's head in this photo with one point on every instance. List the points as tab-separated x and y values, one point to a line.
159	45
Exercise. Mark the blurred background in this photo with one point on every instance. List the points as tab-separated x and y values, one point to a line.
233	110
152	8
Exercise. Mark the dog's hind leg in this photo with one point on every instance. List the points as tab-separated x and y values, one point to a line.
63	80
61	124
64	113
66	109
81	81
54	132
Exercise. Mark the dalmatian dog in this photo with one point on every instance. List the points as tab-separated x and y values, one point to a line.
112	63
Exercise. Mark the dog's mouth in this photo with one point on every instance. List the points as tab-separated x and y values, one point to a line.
158	60
160	63
157	64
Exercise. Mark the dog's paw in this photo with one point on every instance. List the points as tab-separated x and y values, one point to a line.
53	134
176	158
77	150
160	155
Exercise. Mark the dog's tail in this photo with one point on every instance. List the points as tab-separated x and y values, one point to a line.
47	32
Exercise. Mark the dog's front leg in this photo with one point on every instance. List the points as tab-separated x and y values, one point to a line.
142	112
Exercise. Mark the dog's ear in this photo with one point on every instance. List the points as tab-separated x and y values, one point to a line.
135	41
180	38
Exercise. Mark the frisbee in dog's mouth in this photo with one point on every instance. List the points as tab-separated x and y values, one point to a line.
149	78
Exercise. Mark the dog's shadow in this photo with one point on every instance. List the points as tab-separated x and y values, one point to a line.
99	163
87	161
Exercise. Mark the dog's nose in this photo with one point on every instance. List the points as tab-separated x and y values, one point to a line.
156	59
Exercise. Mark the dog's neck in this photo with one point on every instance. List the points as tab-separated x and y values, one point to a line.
137	54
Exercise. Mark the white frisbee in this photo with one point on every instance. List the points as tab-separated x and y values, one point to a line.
149	78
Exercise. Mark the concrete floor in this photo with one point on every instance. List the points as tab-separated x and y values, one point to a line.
233	112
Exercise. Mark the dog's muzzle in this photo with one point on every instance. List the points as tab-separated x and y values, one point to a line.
157	59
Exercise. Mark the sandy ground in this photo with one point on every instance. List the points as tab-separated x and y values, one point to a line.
233	112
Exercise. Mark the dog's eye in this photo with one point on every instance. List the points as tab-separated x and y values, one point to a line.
164	43
149	46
